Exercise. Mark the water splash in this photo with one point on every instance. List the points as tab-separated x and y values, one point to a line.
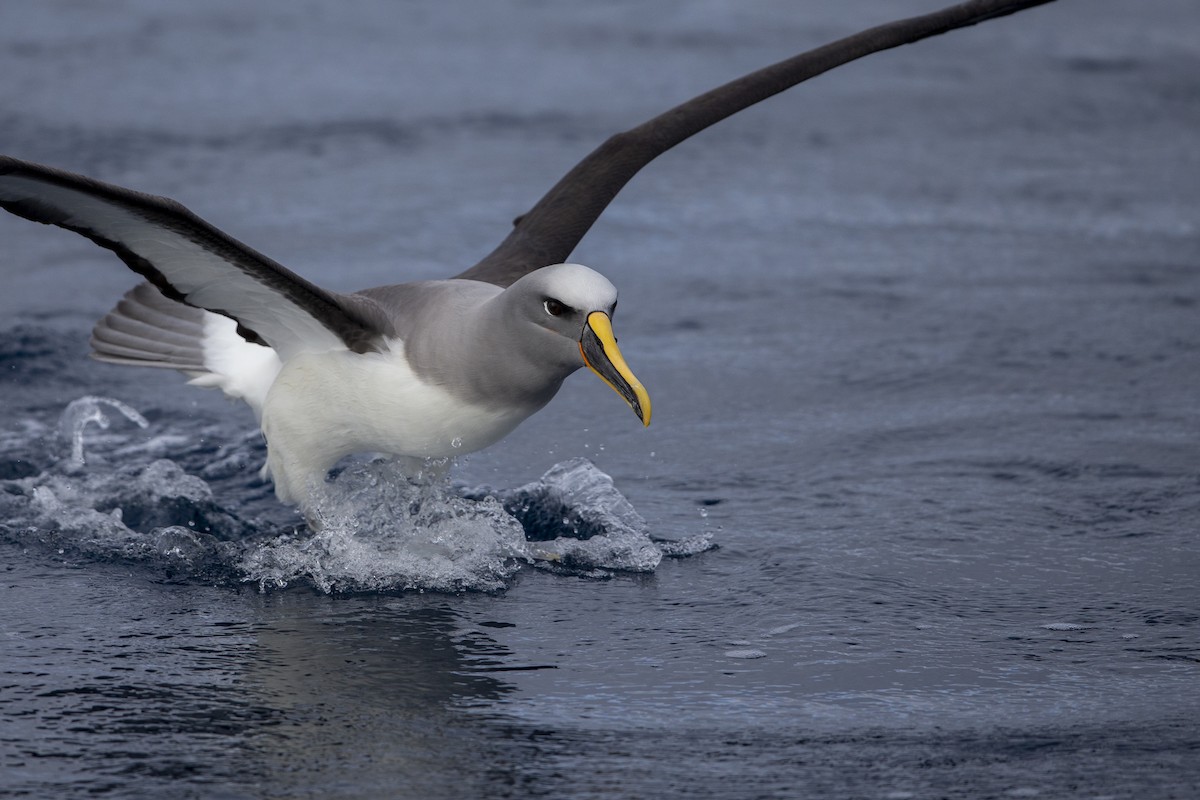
379	527
86	411
382	525
576	519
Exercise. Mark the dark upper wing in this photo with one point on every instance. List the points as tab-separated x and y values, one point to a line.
551	229
193	262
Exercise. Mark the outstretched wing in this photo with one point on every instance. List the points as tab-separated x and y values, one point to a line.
193	262
551	229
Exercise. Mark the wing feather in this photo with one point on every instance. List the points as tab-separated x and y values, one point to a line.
192	262
553	227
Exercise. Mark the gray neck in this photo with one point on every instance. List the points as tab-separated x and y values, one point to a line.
482	349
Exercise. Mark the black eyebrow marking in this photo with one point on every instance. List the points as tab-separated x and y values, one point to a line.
566	309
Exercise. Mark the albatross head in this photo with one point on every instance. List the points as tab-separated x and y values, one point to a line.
576	304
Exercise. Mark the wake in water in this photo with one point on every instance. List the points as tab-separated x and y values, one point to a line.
106	495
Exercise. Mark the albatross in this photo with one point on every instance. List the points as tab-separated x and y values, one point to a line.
422	369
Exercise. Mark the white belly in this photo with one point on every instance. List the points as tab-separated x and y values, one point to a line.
324	406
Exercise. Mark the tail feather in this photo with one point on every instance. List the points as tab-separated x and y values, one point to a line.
111	343
148	329
173	331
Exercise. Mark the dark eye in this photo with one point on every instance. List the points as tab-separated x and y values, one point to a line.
556	308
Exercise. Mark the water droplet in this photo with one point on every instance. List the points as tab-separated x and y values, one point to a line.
456	442
703	512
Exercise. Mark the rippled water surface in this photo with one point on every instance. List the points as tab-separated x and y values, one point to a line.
922	342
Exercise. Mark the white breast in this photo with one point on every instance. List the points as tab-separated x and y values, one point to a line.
324	406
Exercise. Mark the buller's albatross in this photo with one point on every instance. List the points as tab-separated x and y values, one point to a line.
424	369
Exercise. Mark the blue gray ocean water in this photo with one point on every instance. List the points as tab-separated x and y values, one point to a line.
918	514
